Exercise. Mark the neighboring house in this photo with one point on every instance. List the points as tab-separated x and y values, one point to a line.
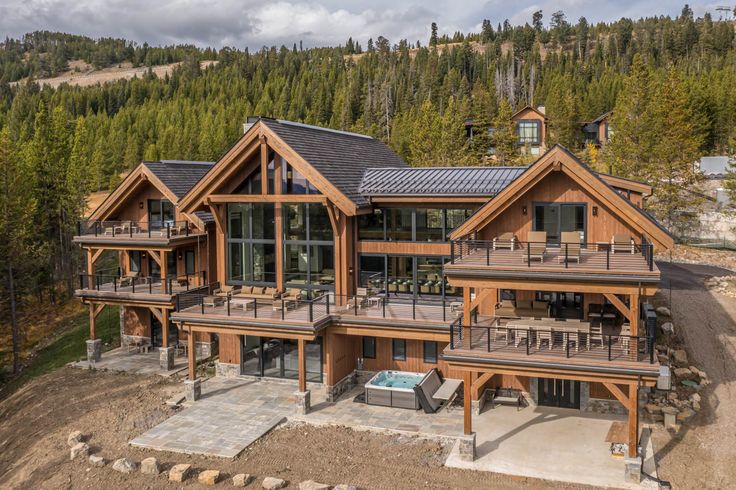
598	132
531	129
331	258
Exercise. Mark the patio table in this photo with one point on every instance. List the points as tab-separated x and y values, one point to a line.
245	303
545	328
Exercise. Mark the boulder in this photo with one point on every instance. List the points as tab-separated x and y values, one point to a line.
209	477
668	328
271	483
97	461
242	479
683	373
124	465
669	410
74	438
79	449
664	311
695	398
313	485
653	408
149	466
680	357
685	414
179	472
696	406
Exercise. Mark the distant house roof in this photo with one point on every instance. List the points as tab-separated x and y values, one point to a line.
714	167
438	181
341	157
179	175
530	108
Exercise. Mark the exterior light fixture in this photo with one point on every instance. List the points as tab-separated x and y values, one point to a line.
523	210
595	210
140	205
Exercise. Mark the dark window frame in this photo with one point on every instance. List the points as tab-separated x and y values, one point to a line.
430	360
371	340
536	139
394	355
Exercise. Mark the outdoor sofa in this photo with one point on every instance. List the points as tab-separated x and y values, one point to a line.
522	308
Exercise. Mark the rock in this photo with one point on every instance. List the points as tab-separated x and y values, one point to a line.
97	461
680	358
668	328
695	398
79	449
657	417
149	466
683	373
653	408
313	485
209	477
271	483
670	410
179	472
124	465
242	479
664	311
345	486
685	414
694	370
74	438
696	406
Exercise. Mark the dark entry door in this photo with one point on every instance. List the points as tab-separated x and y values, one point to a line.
561	393
156	332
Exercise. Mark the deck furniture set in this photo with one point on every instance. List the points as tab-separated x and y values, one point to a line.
570	247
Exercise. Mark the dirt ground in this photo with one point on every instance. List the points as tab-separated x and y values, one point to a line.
112	408
703	453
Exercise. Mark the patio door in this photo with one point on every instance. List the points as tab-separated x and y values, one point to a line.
554	218
561	393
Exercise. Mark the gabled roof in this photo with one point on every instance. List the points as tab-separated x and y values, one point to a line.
559	158
530	108
341	157
438	181
179	176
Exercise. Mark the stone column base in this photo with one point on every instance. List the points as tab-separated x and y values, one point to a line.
193	389
466	447
632	470
303	402
227	370
94	350
166	358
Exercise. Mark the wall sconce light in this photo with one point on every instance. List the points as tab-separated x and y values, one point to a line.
140	205
180	256
143	255
595	210
350	271
523	210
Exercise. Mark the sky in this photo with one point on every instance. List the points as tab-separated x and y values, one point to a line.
257	23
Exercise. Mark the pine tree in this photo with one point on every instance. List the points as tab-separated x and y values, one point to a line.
504	138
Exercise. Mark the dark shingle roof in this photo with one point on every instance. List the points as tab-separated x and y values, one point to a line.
179	175
438	181
340	157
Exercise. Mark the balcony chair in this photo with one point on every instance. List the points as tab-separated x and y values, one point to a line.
570	240
596	335
226	291
505	241
622	243
359	300
292	294
537	243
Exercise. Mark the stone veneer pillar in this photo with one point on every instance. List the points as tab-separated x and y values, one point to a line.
632	469
194	389
166	358
94	350
466	447
303	402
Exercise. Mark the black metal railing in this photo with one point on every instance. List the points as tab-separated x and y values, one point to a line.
397	307
114	283
135	229
565	255
564	342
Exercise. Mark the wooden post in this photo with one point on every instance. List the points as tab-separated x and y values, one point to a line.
634	308
302	365
264	165
164	271
467	403
633	420
467	318
192	355
92	321
90	264
165	327
278	217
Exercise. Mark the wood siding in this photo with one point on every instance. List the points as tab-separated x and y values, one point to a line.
229	348
414	359
340	355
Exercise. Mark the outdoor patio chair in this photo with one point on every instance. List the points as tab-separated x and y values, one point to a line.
359	300
622	243
505	241
537	246
595	335
569	247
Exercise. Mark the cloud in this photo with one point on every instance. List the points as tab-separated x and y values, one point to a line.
255	23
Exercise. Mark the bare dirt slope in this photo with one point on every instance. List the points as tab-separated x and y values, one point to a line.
113	408
703	453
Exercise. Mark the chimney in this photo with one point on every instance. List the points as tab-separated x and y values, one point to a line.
249	122
542	109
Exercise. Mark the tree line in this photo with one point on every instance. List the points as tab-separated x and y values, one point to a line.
669	81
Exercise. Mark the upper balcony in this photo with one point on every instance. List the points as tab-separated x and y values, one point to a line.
546	342
623	262
166	233
136	288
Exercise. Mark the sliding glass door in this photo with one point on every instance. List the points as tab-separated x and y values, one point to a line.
279	358
555	218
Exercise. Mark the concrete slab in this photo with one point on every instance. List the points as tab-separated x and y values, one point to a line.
547	443
132	362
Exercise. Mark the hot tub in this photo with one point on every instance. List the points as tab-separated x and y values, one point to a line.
393	389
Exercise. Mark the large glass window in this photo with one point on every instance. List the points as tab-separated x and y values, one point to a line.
295	221
399	224
369	347
279	358
456	217
529	132
429	276
373	272
400	274
295	182
406	276
309	253
430	352
398	349
160	213
251	243
429	223
410	224
370	226
554	218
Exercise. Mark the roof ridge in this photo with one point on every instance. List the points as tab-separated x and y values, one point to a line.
494	167
320	128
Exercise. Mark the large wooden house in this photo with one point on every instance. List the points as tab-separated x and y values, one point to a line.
321	256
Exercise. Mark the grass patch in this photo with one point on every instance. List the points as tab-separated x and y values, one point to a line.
67	346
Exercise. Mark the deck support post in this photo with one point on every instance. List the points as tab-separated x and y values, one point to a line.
467	320
94	345
164	272
303	396
165	327
466	443
634	308
191	355
633	460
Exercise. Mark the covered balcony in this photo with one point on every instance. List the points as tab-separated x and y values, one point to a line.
152	233
132	287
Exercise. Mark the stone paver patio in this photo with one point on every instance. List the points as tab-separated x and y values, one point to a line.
132	362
